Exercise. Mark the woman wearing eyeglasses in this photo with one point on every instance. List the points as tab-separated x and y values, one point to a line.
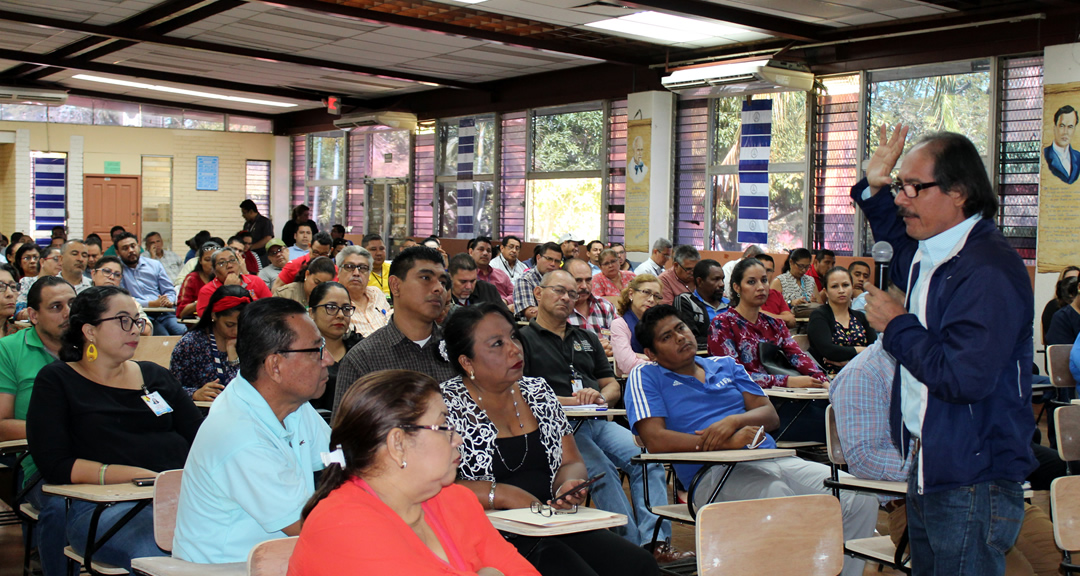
797	287
228	272
519	447
642	293
28	262
331	309
204	361
9	292
97	417
109	271
611	281
371	308
387	502
195	280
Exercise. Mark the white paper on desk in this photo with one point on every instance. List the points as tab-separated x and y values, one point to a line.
582	407
526	516
805	390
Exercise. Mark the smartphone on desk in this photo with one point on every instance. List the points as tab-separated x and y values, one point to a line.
143	481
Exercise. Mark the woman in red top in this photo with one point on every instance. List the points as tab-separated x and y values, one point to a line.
193	282
387	502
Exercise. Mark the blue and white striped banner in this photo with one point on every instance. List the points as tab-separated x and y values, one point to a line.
755	145
466	147
50	192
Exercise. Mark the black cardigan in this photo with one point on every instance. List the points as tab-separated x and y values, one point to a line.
820	332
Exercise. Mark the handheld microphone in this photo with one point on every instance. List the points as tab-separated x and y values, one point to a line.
882	253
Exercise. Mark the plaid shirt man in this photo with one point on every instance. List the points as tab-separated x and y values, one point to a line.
523	291
601	314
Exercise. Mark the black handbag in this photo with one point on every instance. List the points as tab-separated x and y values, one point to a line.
774	361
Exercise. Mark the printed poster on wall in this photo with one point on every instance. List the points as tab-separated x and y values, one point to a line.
206	172
638	147
1059	161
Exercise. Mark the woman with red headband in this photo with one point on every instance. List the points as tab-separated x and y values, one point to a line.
205	360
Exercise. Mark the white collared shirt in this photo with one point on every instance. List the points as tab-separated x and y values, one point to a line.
1064	156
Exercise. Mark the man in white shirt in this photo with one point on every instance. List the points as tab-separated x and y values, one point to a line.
1063	161
507	260
661	253
155	248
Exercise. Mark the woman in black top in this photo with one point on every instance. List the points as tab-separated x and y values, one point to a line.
97	417
331	308
1065	324
836	332
518	446
1066	281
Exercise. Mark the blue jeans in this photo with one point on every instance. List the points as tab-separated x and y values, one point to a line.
607	447
963	531
166	324
134	540
49	532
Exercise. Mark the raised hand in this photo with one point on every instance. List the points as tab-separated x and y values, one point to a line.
879	170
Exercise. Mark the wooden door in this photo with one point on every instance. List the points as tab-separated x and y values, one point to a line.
110	201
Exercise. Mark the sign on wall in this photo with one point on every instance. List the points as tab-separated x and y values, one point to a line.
50	196
206	172
755	145
639	150
1059	162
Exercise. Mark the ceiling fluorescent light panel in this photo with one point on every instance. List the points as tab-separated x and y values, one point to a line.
181	91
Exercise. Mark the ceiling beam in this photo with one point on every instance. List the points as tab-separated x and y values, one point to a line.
201	81
133	36
397	20
766	23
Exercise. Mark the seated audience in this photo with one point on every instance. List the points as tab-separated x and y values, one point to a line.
155	248
589	312
331	308
861	395
227	272
317	271
32	264
548	257
642	293
740	331
9	292
108	271
321	246
611	281
498	410
300	215
371	308
698	308
620	251
375	514
680	278
1074	362
824	260
433	242
658	259
775	306
860	275
22	355
568	245
341	243
204	361
193	244
203	273
751	251
507	260
114	235
1061	297
716	406
279	257
1065	325
302	245
249	263
480	250
797	287
89	420
380	268
251	468
593	249
148	283
411	338
73	265
836	332
93	251
573	363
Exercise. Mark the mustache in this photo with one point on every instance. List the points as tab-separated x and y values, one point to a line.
902	212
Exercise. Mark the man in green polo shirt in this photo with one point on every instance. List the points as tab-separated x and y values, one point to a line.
22	355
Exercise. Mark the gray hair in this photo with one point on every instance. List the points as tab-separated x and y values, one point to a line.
546	280
661	244
352	251
219	252
68	245
685	252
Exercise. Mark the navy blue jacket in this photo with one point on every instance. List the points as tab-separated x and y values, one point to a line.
974	355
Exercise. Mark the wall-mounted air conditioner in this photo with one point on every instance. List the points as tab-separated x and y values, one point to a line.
396	120
746	77
14	95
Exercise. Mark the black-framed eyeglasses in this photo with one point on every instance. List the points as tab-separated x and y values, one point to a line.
320	349
333	309
363	268
560	292
910	190
110	274
546	509
14	287
126	322
449	428
224	263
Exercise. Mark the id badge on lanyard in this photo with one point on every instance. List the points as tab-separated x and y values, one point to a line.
156	402
575	380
